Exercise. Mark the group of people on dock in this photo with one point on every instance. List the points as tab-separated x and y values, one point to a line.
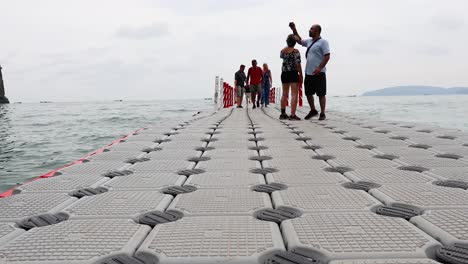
256	85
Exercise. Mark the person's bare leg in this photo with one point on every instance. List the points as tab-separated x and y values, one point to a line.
294	94
253	98
310	100
323	102
285	95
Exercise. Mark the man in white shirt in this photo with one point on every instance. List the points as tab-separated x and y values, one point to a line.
317	56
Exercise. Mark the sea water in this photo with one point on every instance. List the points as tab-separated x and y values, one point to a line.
36	138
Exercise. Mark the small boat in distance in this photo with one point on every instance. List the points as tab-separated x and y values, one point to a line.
118	100
208	99
45	102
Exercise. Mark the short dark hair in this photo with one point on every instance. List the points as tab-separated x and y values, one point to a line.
319	28
291	40
242	65
254	60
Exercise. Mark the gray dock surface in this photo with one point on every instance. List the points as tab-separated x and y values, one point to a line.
241	186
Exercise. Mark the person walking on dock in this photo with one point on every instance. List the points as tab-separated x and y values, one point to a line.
317	56
266	85
291	74
254	80
239	83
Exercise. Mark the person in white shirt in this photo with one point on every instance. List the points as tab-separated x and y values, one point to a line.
317	57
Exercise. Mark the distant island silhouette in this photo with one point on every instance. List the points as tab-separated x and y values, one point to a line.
416	90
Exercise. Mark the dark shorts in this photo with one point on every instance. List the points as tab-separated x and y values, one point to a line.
316	84
290	77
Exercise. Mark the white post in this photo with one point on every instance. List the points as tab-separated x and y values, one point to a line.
216	94
279	92
3	99
221	94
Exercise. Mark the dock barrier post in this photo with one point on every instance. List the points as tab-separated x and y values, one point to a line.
232	96
272	95
229	95
221	96
216	93
224	95
3	99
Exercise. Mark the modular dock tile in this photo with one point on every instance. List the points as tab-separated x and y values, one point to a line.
116	155
368	135
228	153
220	202
449	173
286	152
449	226
345	151
190	136
295	163
324	198
225	180
96	166
388	176
182	145
356	162
424	196
8	231
145	138
432	162
356	235
173	154
165	165
404	151
118	204
145	181
434	141
210	240
281	140
240	135
20	206
232	144
299	177
386	261
385	142
229	164
333	143
63	183
283	143
76	242
132	146
460	150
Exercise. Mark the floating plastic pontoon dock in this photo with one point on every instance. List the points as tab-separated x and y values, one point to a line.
241	186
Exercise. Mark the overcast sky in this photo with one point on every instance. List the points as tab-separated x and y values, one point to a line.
73	50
